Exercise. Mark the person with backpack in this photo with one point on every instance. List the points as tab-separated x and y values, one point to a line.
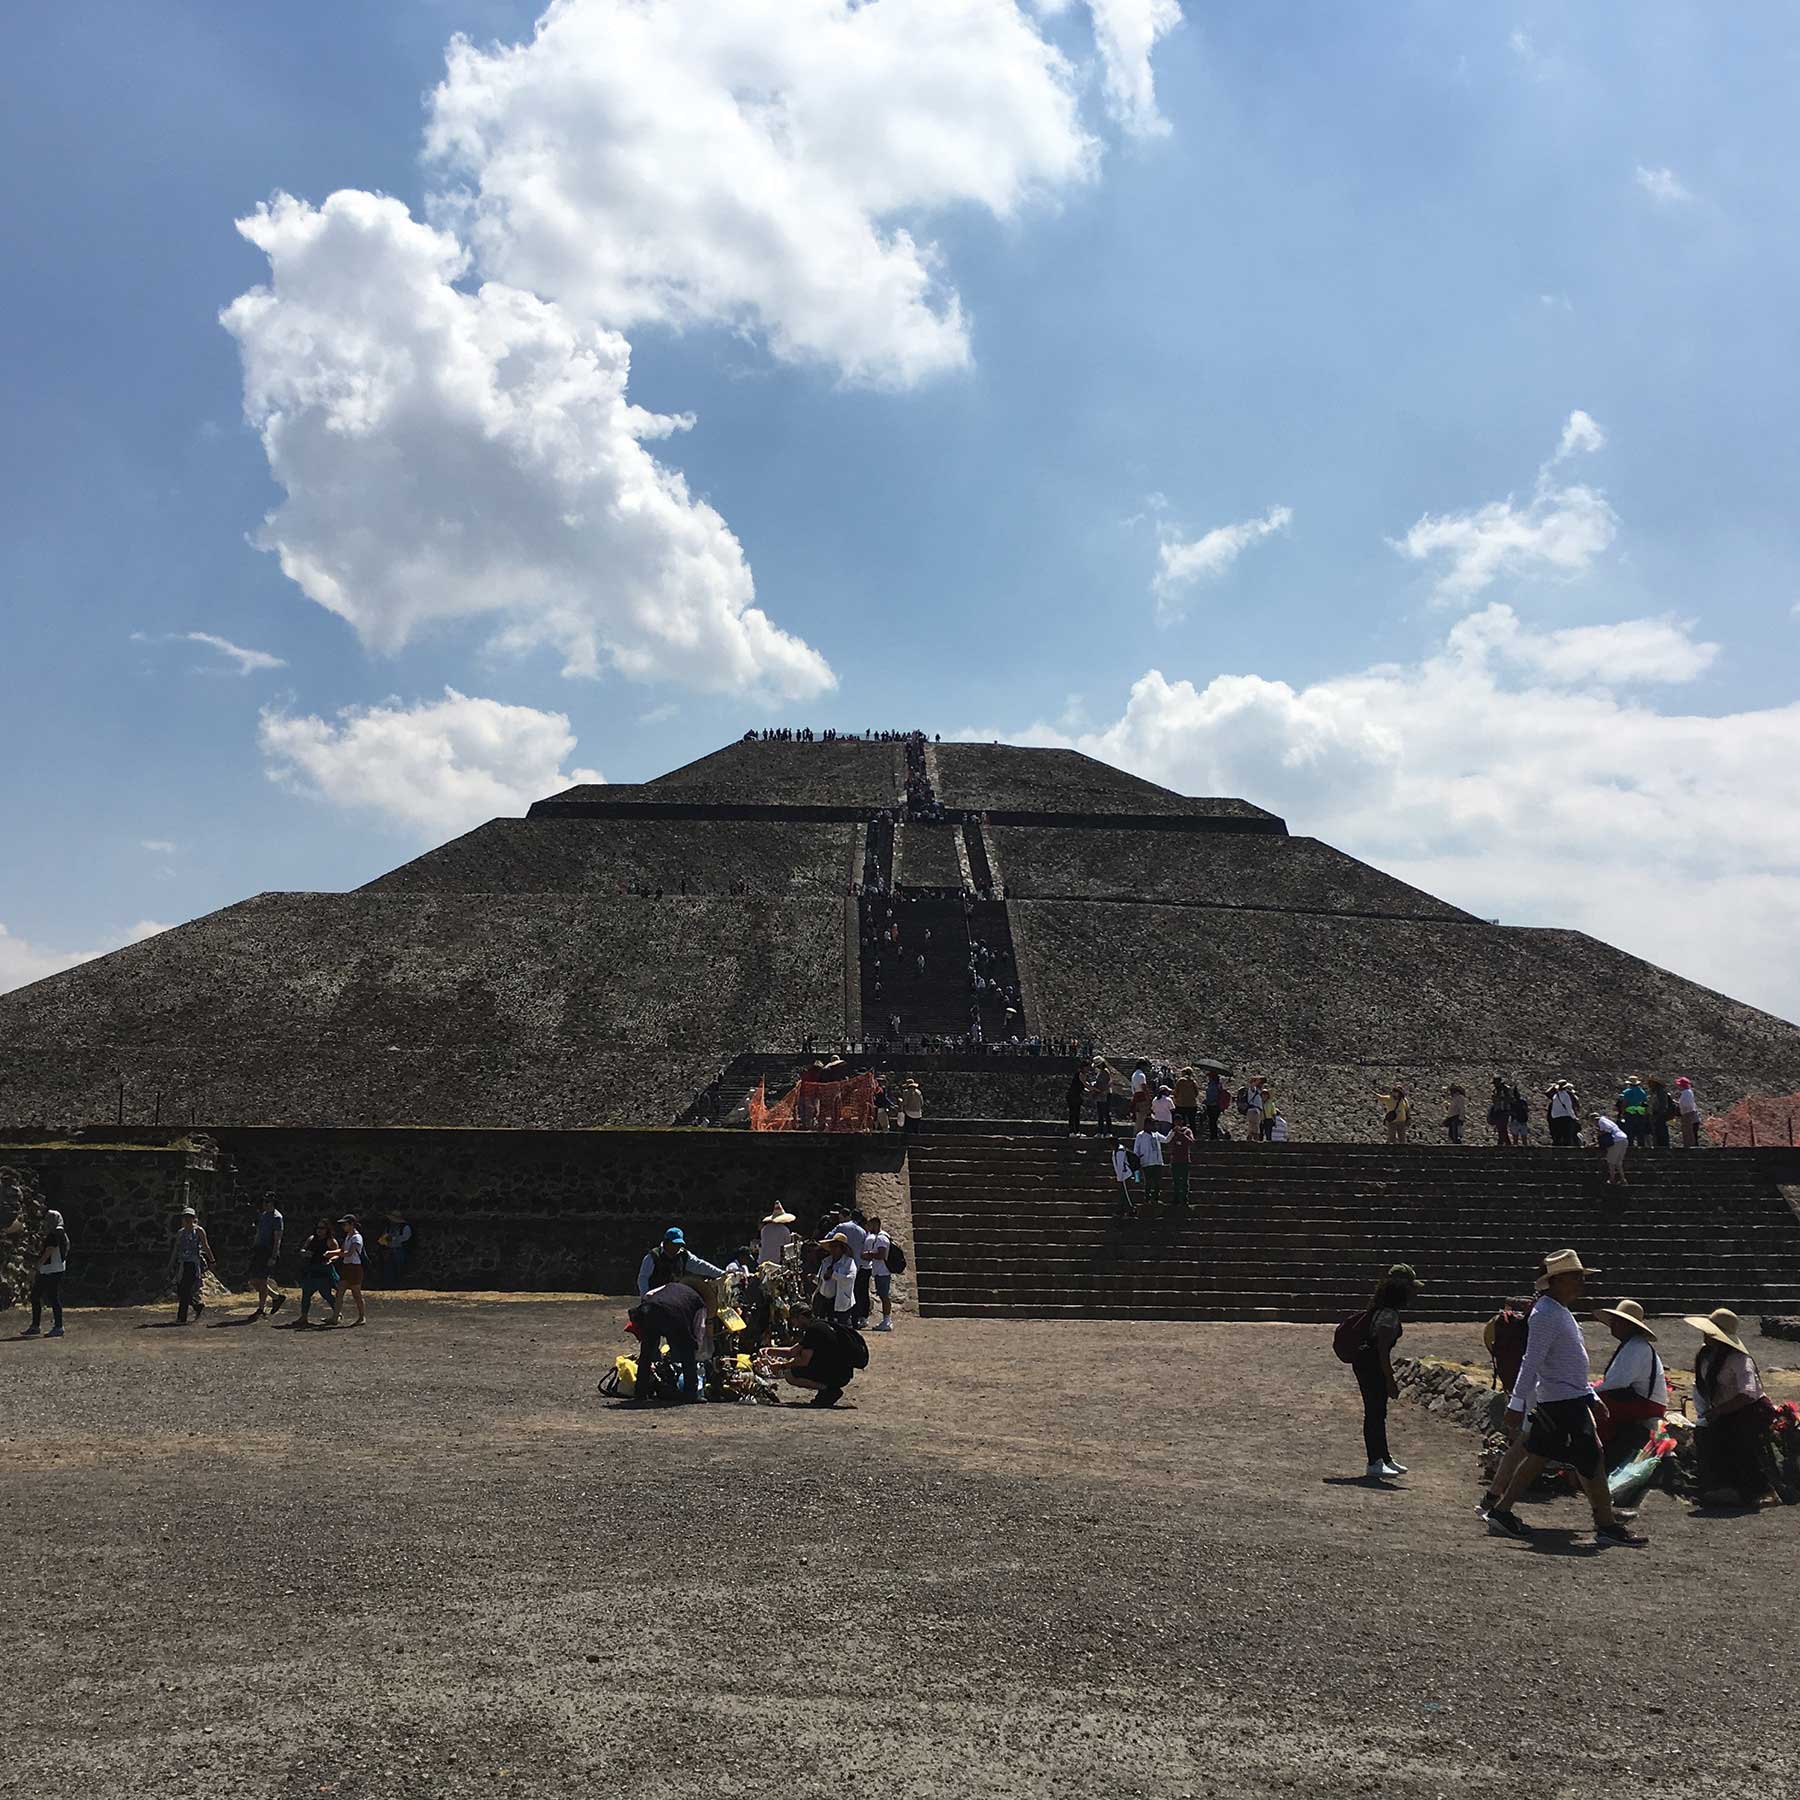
46	1286
1366	1342
1499	1113
1662	1112
1520	1120
878	1248
824	1361
1613	1142
1634	1111
1075	1098
1396	1113
1215	1103
1250	1106
1149	1149
1180	1157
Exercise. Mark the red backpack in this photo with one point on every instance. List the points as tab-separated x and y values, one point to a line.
1351	1338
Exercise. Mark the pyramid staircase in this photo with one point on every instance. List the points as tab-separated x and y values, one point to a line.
1027	1226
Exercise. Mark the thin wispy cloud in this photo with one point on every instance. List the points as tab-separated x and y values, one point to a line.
238	660
1184	563
1663	185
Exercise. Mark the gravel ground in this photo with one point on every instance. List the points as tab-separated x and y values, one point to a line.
1022	1559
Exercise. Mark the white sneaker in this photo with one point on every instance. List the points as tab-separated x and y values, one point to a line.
1396	1468
1379	1471
885	1325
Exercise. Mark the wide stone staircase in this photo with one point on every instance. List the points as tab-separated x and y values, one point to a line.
1027	1226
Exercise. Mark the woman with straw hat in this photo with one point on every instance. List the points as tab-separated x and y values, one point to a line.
1733	1413
1634	1389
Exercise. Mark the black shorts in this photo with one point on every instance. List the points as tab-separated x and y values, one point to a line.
1563	1431
259	1264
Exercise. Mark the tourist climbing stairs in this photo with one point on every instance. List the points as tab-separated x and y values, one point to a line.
1029	1226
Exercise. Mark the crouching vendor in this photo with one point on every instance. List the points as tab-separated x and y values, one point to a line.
676	1312
822	1361
1634	1389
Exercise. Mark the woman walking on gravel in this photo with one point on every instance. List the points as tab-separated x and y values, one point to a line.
46	1289
189	1260
350	1266
318	1273
1373	1364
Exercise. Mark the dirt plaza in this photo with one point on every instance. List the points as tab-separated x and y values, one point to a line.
425	1557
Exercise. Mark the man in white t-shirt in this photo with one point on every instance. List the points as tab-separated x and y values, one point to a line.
875	1259
1687	1110
1149	1149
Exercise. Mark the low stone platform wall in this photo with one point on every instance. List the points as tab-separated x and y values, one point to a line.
526	1210
1780	1327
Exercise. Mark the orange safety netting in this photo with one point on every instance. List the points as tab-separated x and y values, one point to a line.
1757	1120
847	1105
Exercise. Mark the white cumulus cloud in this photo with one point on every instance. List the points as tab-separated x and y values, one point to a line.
1519	776
762	165
449	455
1183	562
1559	531
22	961
1125	33
1663	186
438	767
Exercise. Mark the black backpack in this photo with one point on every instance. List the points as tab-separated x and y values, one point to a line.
896	1259
853	1344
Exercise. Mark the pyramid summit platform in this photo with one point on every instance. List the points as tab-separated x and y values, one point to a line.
600	960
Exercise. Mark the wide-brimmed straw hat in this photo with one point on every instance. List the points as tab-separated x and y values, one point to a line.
1562	1262
1632	1314
780	1216
1722	1327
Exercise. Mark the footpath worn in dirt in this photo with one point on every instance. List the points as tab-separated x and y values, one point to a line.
424	1558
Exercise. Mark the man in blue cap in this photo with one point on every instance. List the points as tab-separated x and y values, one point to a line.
672	1260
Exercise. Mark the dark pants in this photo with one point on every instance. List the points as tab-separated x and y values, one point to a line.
1373	1382
1731	1453
1181	1173
1454	1126
1074	1117
1103	1112
46	1291
1190	1117
1153	1182
1659	1133
187	1293
1212	1124
859	1313
323	1283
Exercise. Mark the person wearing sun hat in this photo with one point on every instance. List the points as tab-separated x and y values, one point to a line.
1634	1389
772	1239
1732	1413
1554	1391
1687	1110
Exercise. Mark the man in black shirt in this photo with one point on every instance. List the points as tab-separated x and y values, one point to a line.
820	1362
676	1312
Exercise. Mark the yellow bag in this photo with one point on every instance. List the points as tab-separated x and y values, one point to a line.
625	1369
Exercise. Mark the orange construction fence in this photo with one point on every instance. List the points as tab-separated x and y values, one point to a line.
847	1105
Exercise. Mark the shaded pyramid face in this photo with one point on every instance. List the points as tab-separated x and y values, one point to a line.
601	959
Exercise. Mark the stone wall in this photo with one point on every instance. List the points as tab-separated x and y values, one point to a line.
119	1202
527	1210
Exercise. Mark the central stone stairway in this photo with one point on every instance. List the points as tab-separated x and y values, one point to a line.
1028	1226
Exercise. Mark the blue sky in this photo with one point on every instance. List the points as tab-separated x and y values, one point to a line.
1485	314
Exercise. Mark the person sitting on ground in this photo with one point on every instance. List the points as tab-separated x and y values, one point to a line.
1555	1390
676	1312
820	1362
1613	1142
1373	1365
1634	1389
1732	1411
1687	1110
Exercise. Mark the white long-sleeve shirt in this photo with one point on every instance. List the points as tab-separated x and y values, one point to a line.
1556	1359
1149	1148
1636	1369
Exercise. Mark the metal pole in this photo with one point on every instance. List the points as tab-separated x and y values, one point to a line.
121	1115
156	1110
